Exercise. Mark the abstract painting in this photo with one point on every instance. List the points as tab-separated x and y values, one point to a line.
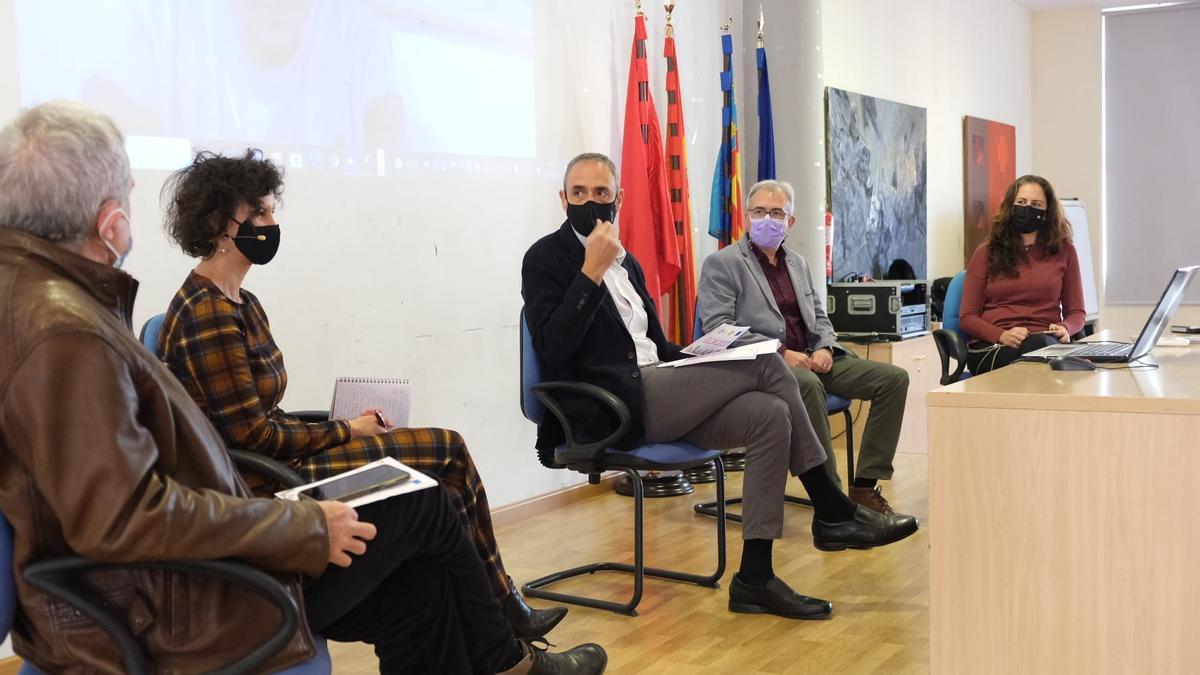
875	154
989	167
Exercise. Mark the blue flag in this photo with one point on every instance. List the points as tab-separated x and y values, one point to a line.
766	124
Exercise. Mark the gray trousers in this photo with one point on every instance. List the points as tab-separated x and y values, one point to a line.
884	385
733	404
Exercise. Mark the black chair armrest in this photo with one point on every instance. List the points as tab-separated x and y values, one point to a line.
950	345
544	392
311	416
57	578
261	465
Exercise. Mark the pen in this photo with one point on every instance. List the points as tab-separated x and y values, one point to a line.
379	418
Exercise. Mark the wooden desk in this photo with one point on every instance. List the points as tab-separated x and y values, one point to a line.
1063	520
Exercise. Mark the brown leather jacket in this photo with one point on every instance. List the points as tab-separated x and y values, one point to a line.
103	454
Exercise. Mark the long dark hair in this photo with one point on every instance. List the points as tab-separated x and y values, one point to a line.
1005	247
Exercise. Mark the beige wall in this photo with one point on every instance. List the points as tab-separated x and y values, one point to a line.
1067	81
952	58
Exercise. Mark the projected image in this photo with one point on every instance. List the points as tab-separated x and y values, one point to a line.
356	86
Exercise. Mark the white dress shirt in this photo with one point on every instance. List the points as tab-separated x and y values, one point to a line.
629	306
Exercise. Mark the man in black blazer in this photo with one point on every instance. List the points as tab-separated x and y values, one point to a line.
591	320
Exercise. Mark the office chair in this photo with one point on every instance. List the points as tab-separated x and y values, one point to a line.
950	340
539	397
60	578
834	405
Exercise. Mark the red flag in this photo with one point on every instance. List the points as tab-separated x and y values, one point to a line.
683	292
647	230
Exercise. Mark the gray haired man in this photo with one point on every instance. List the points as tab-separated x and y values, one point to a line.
760	283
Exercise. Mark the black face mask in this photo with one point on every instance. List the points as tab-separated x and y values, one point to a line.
1028	219
258	244
583	216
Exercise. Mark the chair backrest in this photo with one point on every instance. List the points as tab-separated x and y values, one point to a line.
697	327
953	300
531	374
150	331
8	586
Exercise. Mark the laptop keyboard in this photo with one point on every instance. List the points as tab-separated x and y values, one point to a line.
1104	349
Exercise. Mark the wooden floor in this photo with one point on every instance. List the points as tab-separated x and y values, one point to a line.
880	597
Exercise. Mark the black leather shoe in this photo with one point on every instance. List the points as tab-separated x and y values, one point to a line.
586	659
529	623
867	529
775	598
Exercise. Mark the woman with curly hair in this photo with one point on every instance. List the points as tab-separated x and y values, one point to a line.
1023	290
217	341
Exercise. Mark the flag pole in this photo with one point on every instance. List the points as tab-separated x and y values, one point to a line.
761	23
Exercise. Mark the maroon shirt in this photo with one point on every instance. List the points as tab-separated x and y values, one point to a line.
1048	289
780	282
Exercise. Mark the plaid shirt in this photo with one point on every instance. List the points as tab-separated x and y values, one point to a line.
224	355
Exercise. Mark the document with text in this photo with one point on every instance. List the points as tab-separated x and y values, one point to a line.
744	353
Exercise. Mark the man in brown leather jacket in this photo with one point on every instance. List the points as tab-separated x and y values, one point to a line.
104	455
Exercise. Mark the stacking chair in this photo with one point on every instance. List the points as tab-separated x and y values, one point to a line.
950	340
62	579
593	458
834	405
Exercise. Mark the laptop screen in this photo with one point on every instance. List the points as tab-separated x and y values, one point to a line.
1166	306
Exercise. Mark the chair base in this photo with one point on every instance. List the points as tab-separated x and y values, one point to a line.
712	508
701	474
734	461
535	588
672	485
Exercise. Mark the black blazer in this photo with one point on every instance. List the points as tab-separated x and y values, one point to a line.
578	335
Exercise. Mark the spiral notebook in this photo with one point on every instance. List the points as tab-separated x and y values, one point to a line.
353	395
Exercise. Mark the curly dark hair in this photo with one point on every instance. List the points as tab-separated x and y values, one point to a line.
204	196
1005	247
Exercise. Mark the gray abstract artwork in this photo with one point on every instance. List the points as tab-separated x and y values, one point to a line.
875	154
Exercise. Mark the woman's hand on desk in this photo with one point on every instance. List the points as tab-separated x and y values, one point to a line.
1013	337
1059	331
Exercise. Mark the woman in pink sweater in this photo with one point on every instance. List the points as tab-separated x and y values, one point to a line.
1023	290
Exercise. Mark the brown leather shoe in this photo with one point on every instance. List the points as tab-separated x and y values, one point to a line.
871	498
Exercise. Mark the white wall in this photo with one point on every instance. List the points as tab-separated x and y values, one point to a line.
951	57
420	277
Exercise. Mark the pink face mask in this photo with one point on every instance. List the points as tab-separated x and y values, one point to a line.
766	232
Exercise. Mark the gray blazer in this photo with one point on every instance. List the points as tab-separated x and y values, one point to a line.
733	289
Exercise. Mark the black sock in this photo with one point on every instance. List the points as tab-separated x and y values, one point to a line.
830	503
756	562
864	482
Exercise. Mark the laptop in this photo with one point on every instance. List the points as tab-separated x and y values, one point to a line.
1120	352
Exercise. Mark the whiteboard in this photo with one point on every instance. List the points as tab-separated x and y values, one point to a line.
1081	237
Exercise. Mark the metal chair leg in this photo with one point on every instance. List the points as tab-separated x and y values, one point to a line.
849	446
534	589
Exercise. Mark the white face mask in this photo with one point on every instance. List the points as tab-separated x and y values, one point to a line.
120	256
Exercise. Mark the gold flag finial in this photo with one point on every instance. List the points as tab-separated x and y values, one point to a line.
760	25
669	6
728	26
638	6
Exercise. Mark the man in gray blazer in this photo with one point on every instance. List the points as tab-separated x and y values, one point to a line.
760	283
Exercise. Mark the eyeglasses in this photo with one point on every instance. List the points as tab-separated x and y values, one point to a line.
776	214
